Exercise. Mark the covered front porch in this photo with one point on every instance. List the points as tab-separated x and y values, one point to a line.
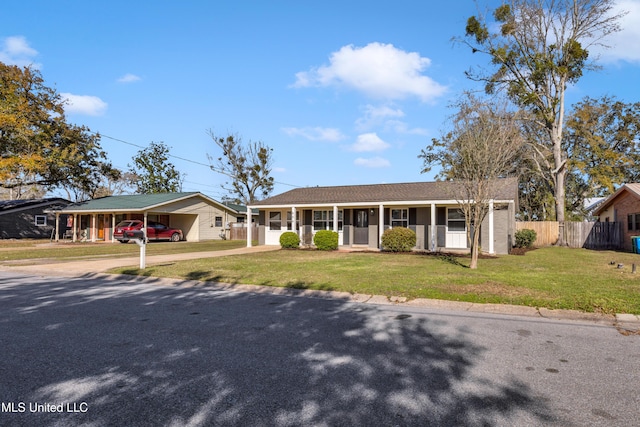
437	225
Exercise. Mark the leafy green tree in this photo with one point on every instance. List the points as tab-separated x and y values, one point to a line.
481	147
539	47
152	171
247	165
37	146
603	144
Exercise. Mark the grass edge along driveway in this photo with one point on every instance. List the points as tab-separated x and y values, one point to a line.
553	277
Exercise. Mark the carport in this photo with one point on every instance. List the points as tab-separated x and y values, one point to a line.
198	216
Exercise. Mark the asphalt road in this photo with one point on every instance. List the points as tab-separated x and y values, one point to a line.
102	351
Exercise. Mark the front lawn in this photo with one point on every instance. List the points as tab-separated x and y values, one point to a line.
11	250
557	278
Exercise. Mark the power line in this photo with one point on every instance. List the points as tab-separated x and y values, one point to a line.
180	158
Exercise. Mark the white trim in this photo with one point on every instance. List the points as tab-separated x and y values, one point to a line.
491	228
434	227
35	220
249	226
412	203
381	223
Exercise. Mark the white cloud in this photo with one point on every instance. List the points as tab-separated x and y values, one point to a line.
623	44
401	127
374	162
129	78
369	142
316	133
84	104
375	116
16	51
377	70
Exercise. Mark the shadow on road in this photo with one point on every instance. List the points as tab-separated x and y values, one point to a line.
137	352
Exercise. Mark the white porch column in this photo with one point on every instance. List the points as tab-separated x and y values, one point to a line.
434	231
94	232
144	227
293	221
491	228
75	227
381	224
335	218
57	227
249	226
113	228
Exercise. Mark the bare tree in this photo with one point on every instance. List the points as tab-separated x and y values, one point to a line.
248	166
482	147
539	48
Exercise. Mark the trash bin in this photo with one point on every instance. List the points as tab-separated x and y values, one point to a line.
635	244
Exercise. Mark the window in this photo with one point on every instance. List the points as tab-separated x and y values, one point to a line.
455	220
275	220
633	222
400	218
41	220
289	222
218	221
323	220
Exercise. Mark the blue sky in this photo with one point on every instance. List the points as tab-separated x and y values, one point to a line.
344	92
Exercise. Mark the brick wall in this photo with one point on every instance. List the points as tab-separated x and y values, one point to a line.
625	204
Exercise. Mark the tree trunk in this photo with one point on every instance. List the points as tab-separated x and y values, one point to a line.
560	205
560	175
475	242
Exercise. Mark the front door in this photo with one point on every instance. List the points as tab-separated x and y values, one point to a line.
456	230
361	228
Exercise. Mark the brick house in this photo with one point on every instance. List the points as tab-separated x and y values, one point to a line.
623	206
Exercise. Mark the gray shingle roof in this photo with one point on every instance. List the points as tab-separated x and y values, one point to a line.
379	193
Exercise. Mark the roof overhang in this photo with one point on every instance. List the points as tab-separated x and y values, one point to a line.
450	202
609	200
143	209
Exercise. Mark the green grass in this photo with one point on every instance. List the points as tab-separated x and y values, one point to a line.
11	250
557	278
550	277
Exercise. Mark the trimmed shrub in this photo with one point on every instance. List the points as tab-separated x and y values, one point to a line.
326	240
525	238
398	239
289	240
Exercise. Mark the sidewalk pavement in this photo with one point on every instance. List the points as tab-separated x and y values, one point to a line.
627	324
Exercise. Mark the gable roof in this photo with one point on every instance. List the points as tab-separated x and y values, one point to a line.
239	208
8	206
632	188
381	193
135	202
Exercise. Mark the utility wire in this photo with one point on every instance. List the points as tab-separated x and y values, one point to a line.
179	158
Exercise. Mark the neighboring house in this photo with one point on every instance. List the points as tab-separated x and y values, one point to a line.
29	219
357	211
590	205
198	216
623	206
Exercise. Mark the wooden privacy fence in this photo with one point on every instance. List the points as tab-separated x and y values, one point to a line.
590	235
238	231
546	231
